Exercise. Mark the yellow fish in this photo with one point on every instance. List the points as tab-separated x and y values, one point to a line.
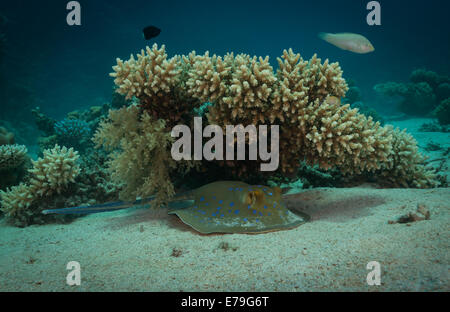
348	41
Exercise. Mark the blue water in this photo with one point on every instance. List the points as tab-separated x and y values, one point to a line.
66	67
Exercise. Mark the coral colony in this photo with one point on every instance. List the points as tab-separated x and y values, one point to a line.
213	149
302	98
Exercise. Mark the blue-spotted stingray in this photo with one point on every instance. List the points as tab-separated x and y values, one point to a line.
219	207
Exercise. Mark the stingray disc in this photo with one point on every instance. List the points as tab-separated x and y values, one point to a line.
236	207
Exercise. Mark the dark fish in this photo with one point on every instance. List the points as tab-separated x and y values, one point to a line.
151	32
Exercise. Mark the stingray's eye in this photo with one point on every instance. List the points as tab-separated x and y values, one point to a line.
252	197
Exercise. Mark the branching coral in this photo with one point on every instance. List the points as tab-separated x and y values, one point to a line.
72	132
302	97
405	165
54	171
12	156
49	175
13	162
157	82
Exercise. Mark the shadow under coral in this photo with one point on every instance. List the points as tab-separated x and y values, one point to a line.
329	205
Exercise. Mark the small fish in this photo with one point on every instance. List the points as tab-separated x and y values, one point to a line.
348	41
151	32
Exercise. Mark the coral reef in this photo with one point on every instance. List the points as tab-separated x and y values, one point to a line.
353	95
405	165
43	122
49	175
434	127
302	97
57	168
73	133
442	112
157	83
13	162
12	156
425	90
6	137
368	111
141	158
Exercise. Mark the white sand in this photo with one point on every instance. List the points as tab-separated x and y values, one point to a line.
349	229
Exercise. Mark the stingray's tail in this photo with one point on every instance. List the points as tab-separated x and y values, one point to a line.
99	208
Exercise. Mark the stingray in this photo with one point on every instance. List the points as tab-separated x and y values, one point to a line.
219	207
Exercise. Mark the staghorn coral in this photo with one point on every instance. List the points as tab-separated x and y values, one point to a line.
140	157
49	175
302	97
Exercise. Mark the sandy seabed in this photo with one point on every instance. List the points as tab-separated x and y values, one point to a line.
148	250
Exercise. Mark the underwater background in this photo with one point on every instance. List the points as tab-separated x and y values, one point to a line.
56	94
65	68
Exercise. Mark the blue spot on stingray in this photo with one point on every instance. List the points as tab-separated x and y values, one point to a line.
231	204
206	204
203	212
259	185
270	194
254	211
236	211
256	220
260	213
213	214
218	208
274	205
230	189
220	201
265	207
229	210
245	219
237	189
202	198
222	215
248	207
